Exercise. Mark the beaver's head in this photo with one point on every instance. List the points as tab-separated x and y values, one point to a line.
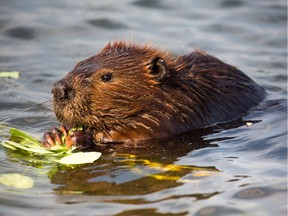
116	93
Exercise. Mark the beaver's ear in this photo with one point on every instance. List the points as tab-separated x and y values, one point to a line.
158	68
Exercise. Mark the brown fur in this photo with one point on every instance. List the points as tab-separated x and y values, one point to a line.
151	93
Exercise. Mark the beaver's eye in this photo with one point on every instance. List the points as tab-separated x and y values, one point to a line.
106	77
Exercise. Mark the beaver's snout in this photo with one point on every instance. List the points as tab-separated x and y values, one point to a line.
62	90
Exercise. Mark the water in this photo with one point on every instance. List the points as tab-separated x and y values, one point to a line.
229	170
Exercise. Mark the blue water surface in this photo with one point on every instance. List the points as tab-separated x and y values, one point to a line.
234	169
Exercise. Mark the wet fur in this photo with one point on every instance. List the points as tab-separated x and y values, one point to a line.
144	100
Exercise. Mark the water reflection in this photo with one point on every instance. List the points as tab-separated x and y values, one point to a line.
122	175
24	33
146	169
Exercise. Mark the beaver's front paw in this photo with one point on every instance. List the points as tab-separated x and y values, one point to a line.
67	137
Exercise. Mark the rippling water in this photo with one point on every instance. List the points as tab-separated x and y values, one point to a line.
229	170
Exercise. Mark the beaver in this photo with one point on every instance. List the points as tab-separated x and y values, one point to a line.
129	93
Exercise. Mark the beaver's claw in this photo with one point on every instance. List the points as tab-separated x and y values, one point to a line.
64	136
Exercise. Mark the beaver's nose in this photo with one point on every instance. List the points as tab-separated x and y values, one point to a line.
62	90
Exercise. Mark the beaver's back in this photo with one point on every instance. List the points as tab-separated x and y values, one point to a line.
216	92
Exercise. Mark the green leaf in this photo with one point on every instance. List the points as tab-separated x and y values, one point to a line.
30	149
58	148
20	141
11	74
7	145
20	134
16	180
80	158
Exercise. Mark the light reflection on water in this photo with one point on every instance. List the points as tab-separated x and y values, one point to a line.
229	170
